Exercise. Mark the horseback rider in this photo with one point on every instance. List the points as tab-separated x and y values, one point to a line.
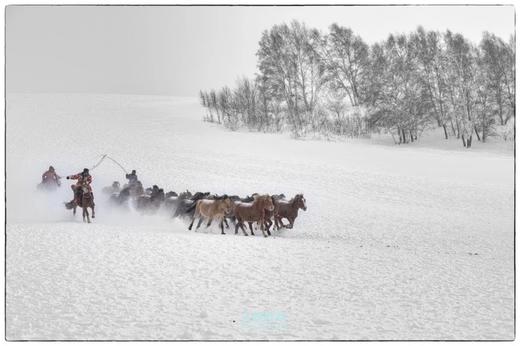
132	178
84	179
154	191
157	193
50	176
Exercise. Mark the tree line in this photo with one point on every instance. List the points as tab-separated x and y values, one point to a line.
336	84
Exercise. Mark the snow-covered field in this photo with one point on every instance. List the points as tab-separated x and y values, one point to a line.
398	242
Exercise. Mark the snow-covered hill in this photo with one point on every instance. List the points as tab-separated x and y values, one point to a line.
398	242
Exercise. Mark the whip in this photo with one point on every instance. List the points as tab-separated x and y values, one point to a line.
105	156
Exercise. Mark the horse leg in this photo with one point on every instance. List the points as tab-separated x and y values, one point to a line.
251	228
268	226
237	224
241	225
209	223
86	215
192	220
243	228
225	221
222	225
93	213
262	227
200	222
291	223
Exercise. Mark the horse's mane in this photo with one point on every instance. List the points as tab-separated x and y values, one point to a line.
293	200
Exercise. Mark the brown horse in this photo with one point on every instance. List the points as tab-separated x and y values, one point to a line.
269	214
253	212
212	209
86	200
289	210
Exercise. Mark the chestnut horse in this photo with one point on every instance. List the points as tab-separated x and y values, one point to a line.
269	214
212	209
253	212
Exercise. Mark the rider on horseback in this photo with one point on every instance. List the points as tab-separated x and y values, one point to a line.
50	176
132	178
84	179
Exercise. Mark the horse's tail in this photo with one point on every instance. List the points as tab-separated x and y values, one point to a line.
69	205
191	207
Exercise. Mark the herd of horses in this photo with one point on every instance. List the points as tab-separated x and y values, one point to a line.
263	211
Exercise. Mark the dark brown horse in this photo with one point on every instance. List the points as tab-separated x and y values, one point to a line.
289	210
253	212
86	200
270	215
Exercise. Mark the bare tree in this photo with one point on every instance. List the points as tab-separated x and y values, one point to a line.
290	61
462	71
346	59
213	103
496	63
432	70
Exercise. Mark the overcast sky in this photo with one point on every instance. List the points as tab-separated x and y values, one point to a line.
180	50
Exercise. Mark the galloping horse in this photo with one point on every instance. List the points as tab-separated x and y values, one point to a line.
86	200
289	210
253	212
212	209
